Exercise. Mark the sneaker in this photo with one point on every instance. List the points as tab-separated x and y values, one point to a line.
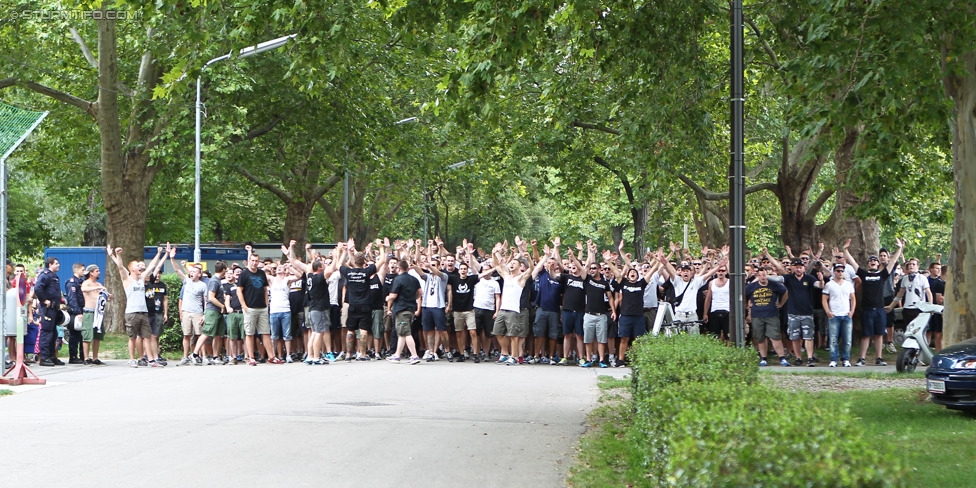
75	361
880	362
48	362
786	362
530	360
450	357
161	360
860	362
234	361
459	358
98	362
585	364
476	357
210	362
197	360
613	362
603	364
320	362
377	356
275	360
512	361
811	363
240	357
796	362
426	355
154	364
501	359
309	360
414	360
393	359
89	362
141	362
815	358
252	362
520	360
330	357
833	364
847	363
132	363
341	356
543	360
890	347
288	359
563	362
763	362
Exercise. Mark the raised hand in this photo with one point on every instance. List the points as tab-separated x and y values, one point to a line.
847	243
900	243
621	245
284	250
725	250
292	243
556	242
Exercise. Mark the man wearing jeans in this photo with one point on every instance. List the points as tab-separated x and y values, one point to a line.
839	301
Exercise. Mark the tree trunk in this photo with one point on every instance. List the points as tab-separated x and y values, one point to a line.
639	214
865	235
711	226
296	223
793	186
960	314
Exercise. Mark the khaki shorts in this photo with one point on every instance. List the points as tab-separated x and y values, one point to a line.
137	325
404	321
464	321
766	328
256	321
192	323
507	323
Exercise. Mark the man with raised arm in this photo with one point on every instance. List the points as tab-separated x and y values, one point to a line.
137	325
873	316
547	273
802	288
318	302
508	324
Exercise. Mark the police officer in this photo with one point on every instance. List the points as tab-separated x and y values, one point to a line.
47	289
76	305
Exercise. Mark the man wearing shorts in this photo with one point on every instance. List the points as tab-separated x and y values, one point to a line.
404	304
799	308
487	302
136	314
213	316
461	307
873	316
193	297
157	303
234	316
360	317
765	298
547	273
319	306
598	300
433	317
90	289
508	327
252	291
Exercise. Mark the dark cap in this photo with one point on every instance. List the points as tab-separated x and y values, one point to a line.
873	258
797	261
839	266
684	266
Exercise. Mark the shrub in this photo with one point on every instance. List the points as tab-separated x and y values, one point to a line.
171	340
669	362
702	419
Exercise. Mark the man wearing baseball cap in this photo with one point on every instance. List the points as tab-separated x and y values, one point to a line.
839	302
873	316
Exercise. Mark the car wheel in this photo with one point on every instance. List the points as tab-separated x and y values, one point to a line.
906	360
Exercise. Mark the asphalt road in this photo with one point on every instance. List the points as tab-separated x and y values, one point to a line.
372	424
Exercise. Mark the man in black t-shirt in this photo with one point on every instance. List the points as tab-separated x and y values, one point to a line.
403	304
234	316
252	291
462	307
873	316
799	307
157	303
319	307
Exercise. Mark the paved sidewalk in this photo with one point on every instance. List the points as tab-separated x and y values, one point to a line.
378	424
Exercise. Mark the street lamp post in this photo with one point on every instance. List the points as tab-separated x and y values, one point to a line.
243	53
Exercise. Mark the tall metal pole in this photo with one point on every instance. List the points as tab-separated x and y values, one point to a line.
196	191
737	177
345	207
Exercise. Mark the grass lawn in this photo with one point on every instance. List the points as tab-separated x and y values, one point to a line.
936	444
6	392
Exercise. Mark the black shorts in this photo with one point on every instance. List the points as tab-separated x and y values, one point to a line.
359	317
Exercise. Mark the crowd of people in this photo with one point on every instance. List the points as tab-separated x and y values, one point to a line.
412	302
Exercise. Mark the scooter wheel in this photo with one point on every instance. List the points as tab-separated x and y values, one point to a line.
907	360
899	336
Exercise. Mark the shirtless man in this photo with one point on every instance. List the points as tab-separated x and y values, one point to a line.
90	289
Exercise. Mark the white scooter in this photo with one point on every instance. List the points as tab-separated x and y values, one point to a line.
915	348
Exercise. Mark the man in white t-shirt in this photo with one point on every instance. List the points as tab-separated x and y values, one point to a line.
838	303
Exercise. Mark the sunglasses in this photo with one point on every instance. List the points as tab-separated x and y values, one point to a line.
838	257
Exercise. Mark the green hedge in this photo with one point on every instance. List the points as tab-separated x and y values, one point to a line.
171	340
710	423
